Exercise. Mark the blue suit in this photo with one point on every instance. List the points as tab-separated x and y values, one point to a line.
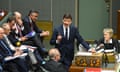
66	47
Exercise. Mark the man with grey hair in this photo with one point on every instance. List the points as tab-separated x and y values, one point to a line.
53	65
15	65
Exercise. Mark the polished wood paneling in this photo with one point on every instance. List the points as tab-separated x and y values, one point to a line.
118	25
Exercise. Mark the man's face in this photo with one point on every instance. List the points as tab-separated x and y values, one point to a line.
34	16
19	19
1	33
7	30
67	21
12	24
58	56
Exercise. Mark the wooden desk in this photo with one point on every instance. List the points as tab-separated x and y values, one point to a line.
74	68
88	60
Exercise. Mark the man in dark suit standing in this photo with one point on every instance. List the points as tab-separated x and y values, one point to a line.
53	65
63	38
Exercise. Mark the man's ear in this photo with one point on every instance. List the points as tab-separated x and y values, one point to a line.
55	57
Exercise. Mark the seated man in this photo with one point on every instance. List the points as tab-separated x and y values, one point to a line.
18	34
53	65
29	23
23	48
5	51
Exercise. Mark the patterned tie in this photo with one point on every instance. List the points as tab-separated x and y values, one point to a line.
19	30
5	46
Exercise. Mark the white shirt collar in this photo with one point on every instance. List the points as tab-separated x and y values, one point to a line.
110	41
30	20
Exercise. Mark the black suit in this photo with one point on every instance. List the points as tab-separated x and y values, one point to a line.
27	25
16	63
54	66
114	44
36	40
12	37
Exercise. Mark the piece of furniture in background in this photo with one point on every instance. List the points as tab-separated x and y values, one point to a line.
75	68
4	16
85	59
46	26
117	67
3	13
111	57
118	24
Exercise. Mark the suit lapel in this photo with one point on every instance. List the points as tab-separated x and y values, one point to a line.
61	31
6	48
70	32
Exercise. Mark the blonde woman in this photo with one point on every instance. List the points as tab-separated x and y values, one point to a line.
108	41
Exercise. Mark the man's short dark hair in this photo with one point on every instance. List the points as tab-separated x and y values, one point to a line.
11	18
33	11
67	16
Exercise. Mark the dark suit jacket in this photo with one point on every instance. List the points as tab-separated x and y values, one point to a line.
4	51
12	37
18	61
114	43
27	26
54	66
66	47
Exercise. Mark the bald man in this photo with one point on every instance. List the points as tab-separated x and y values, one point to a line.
54	54
18	17
53	65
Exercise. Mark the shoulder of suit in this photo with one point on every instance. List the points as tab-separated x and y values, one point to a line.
26	19
58	27
52	62
72	26
114	40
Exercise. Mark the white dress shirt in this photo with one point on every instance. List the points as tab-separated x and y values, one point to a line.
9	43
64	30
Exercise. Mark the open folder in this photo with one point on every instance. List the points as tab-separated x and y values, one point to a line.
31	34
14	57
